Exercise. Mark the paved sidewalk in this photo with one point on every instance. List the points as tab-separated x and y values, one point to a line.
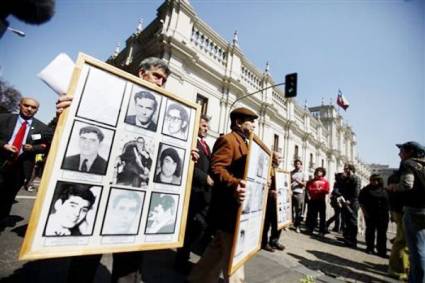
325	260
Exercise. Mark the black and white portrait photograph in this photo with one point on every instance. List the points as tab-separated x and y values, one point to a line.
73	210
169	166
259	162
88	149
134	164
240	247
254	198
261	165
162	213
123	212
105	88
176	120
143	109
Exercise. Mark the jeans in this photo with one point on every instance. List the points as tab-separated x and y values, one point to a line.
414	224
297	208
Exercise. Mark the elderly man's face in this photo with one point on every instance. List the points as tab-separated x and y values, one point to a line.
154	75
175	122
28	108
89	144
72	211
140	145
168	167
145	108
248	126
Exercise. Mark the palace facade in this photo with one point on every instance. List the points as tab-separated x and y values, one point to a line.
215	73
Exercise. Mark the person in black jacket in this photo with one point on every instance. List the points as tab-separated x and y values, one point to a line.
374	203
21	137
350	192
199	198
339	179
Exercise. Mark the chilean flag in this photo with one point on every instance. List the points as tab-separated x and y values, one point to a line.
342	101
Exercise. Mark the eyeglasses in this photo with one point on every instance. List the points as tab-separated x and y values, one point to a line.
173	118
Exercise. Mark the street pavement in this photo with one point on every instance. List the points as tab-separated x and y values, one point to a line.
325	260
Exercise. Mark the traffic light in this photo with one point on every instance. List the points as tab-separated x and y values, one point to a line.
291	85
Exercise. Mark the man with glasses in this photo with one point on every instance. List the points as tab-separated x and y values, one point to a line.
176	121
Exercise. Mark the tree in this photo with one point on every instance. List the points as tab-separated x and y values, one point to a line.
9	97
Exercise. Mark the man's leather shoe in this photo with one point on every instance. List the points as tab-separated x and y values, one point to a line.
268	248
278	246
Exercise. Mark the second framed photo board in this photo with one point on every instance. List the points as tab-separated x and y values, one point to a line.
250	218
118	173
283	198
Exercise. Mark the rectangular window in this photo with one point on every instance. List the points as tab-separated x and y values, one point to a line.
276	143
203	101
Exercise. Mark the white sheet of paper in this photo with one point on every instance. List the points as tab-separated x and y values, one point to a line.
57	74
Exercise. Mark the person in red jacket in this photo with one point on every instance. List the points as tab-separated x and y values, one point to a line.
317	189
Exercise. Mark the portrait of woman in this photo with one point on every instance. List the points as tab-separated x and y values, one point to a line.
134	164
169	167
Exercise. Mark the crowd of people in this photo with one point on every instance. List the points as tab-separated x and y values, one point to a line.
218	189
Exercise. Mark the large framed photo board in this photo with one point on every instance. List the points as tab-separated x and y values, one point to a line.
250	218
118	173
283	198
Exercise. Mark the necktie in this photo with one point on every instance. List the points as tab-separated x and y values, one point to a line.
19	138
205	147
84	166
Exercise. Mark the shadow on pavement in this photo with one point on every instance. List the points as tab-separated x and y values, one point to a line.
49	271
20	230
335	266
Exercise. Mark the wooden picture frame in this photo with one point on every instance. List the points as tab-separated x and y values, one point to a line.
251	213
283	198
95	149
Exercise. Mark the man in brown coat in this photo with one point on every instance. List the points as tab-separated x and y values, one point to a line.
227	169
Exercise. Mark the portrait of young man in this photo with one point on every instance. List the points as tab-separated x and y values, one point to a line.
123	212
176	121
162	214
87	159
146	111
169	165
68	212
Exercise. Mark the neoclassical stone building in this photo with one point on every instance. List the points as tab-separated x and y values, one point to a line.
215	73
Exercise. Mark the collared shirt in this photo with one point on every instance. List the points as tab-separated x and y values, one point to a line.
18	125
90	160
299	176
144	126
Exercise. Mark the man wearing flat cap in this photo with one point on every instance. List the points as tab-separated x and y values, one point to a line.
227	168
412	182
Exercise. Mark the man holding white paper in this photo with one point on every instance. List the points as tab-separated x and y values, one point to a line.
126	266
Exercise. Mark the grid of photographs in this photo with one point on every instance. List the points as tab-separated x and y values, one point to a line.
247	238
283	199
120	169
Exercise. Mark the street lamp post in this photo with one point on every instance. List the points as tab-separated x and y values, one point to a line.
290	90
